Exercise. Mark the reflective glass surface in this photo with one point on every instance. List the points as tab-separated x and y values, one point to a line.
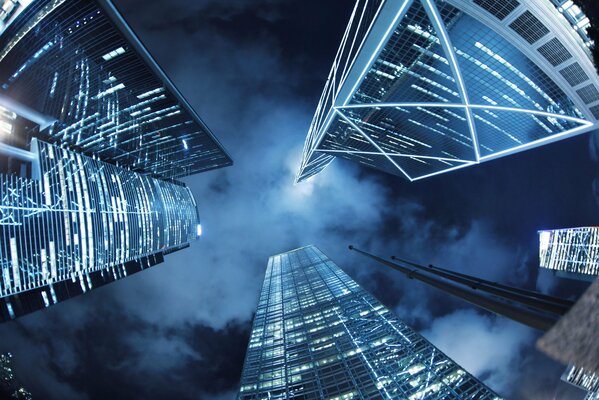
78	63
318	335
444	90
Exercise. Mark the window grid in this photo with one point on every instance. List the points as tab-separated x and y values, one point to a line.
317	335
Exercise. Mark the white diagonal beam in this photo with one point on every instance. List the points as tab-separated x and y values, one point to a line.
571	132
382	152
393	155
471	106
399	14
439	26
466	164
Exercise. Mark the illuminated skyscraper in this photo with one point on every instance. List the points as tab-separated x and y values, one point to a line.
318	335
93	136
582	379
79	223
571	253
422	87
95	87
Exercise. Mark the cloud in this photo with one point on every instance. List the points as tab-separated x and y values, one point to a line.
486	346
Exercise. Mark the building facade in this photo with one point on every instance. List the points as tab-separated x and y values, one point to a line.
93	137
97	89
582	379
571	253
318	335
78	223
422	87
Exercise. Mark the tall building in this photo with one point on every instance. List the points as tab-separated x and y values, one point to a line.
93	136
79	223
582	379
318	335
93	85
422	87
571	253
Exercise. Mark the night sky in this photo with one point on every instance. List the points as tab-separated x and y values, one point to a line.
254	70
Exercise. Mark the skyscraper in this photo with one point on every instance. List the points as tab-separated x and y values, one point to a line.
582	379
422	87
93	136
79	223
571	253
94	86
317	334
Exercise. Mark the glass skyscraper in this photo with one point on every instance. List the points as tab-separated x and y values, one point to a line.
422	87
78	223
571	253
94	86
93	137
318	335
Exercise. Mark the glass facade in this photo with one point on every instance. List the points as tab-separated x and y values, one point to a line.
582	378
318	335
78	63
83	221
572	253
434	88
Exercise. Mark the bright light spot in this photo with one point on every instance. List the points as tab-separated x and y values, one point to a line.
199	230
185	144
113	54
544	240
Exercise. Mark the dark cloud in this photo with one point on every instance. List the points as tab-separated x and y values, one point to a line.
114	354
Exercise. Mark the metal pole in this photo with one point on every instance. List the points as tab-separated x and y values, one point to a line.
527	317
530	293
490	287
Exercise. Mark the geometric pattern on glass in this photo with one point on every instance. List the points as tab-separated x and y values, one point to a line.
318	335
426	79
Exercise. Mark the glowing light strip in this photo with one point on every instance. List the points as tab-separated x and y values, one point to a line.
345	69
357	347
471	106
373	143
31	24
433	13
400	13
469	163
392	155
320	135
346	73
576	131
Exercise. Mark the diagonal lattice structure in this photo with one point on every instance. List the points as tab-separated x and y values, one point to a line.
422	87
